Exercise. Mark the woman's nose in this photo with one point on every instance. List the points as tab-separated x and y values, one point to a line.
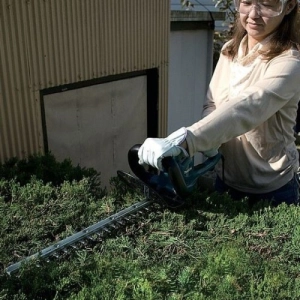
254	12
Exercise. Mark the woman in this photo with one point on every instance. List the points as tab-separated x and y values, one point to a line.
251	108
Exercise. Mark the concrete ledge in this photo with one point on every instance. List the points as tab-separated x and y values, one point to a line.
196	16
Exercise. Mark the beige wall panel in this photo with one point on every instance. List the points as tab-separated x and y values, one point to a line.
95	126
55	42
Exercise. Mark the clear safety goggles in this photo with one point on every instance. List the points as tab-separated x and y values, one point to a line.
265	8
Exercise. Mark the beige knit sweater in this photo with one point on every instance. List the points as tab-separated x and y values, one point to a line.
249	115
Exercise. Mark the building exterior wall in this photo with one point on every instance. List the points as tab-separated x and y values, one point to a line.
53	43
190	64
190	71
204	6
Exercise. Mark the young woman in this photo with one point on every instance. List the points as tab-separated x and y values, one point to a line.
251	107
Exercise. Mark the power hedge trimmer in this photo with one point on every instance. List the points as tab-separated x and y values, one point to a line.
168	188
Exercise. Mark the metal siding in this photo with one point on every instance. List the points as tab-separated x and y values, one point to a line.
55	42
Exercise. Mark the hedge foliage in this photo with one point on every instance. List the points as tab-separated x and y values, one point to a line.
212	248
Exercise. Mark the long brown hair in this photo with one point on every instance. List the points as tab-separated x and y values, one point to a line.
286	36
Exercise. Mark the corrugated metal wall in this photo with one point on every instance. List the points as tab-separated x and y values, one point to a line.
48	43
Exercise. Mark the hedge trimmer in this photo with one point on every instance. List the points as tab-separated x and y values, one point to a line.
168	188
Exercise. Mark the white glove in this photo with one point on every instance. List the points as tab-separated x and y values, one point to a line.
154	150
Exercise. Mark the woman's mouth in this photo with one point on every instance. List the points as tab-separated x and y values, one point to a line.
253	25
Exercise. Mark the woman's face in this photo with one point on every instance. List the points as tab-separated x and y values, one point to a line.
257	27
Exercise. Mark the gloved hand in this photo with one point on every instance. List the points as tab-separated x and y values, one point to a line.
154	150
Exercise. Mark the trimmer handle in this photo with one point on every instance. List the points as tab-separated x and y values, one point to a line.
137	169
184	176
182	173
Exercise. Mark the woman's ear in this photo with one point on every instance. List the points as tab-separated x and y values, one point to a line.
290	6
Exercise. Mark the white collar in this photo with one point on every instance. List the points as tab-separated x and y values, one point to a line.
253	53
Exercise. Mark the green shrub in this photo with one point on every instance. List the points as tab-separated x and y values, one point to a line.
213	248
46	168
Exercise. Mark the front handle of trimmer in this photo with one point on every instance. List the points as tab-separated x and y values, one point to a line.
182	175
137	169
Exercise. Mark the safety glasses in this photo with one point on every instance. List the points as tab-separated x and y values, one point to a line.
265	8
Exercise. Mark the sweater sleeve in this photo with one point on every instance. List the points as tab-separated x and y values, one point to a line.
253	106
209	105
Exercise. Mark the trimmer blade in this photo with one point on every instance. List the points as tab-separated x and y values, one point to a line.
163	197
